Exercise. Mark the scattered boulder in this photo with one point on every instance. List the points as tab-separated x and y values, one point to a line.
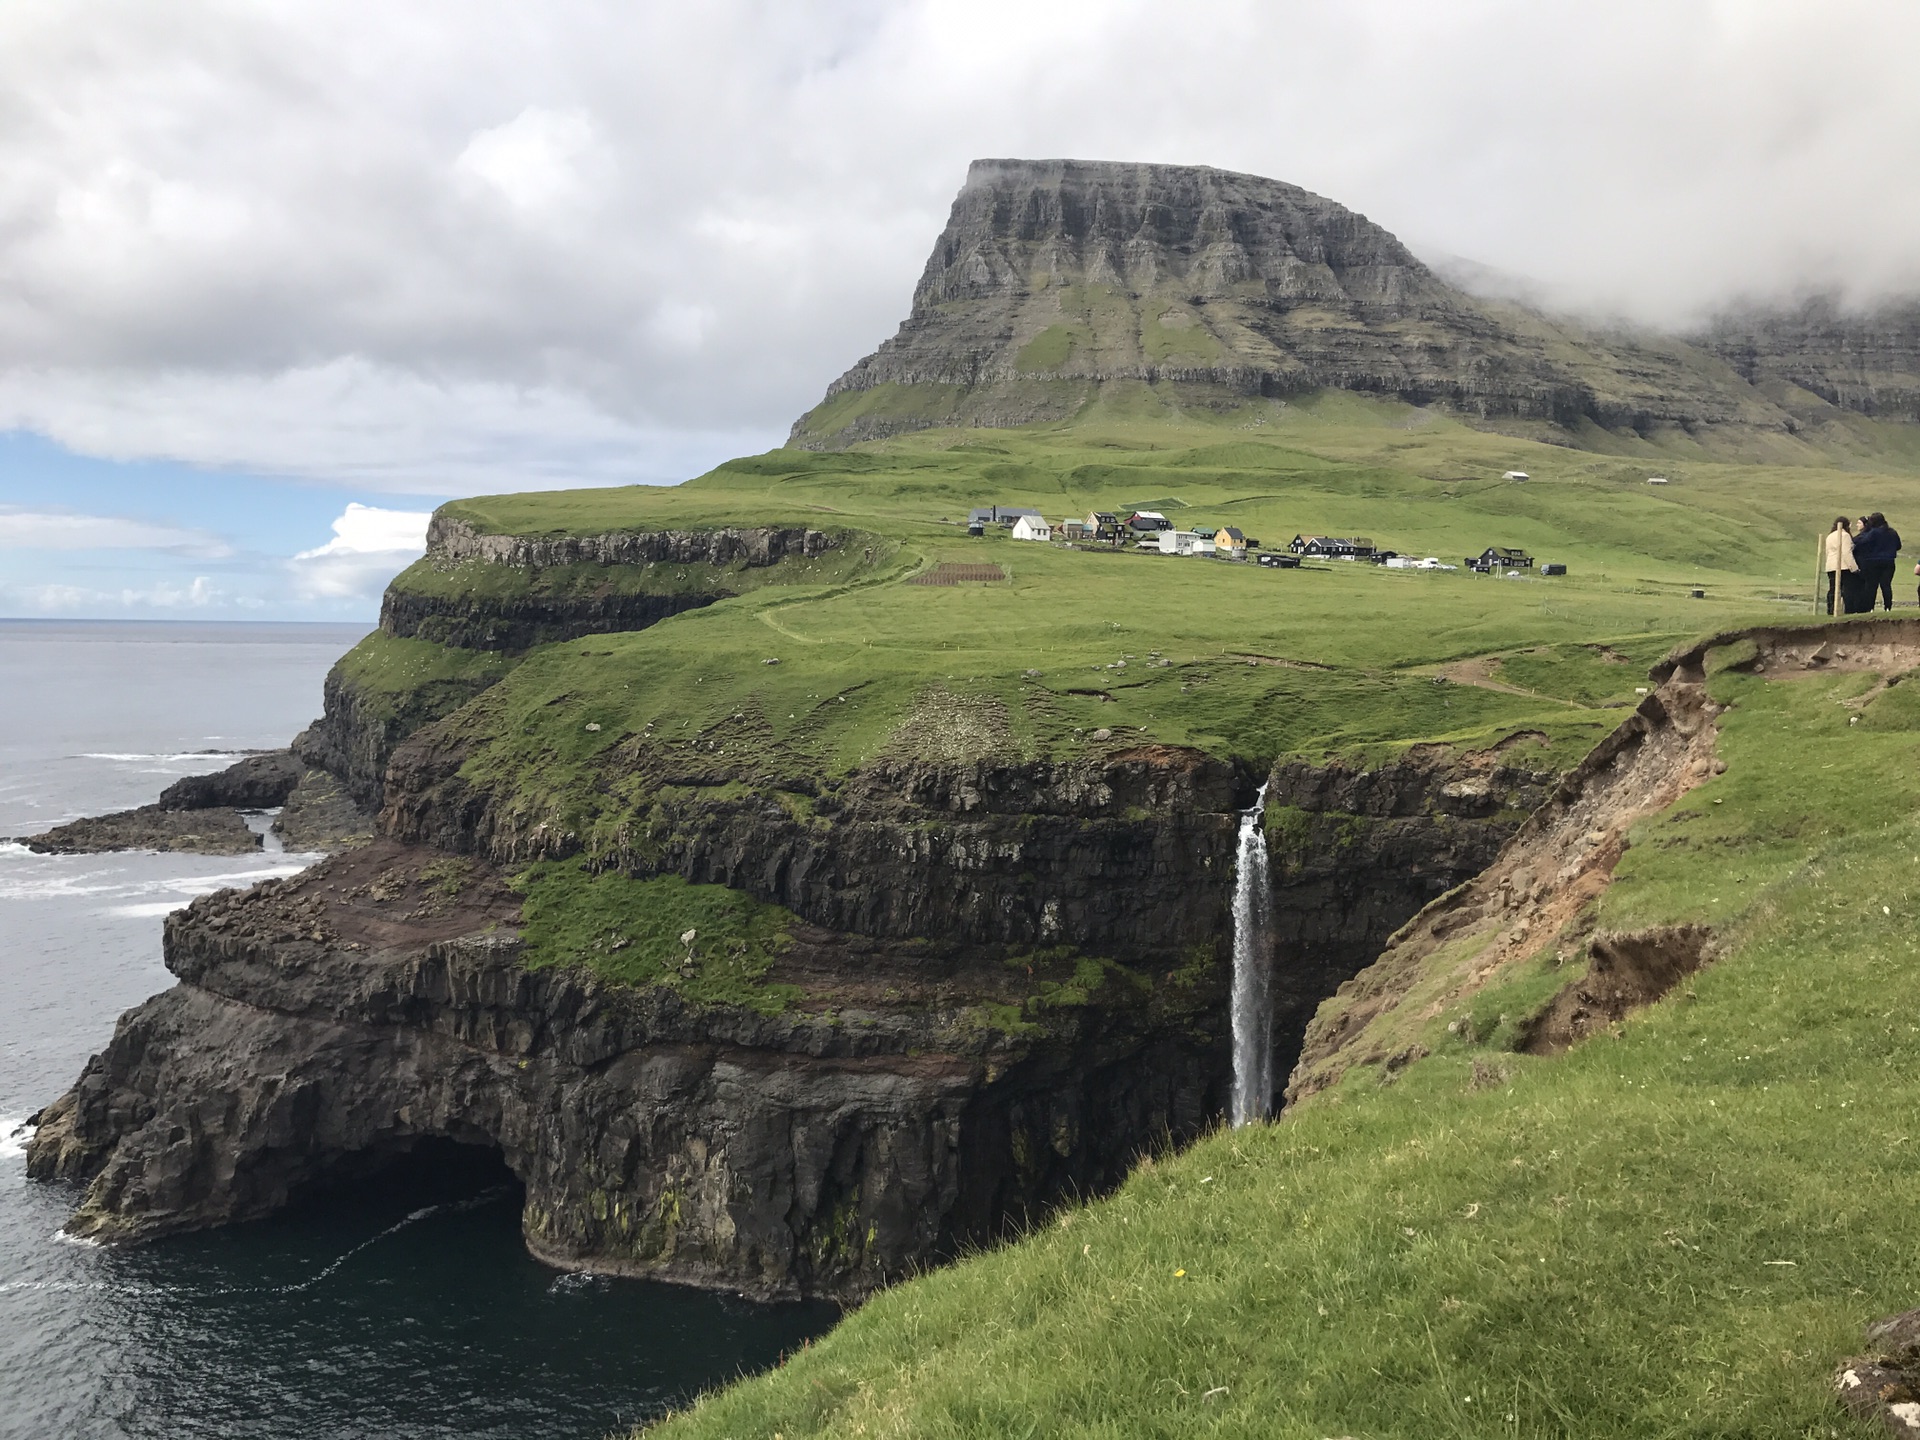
1882	1387
321	815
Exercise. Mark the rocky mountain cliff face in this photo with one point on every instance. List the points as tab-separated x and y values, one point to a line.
1866	361
1060	282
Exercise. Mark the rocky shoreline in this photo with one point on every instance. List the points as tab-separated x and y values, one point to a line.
207	814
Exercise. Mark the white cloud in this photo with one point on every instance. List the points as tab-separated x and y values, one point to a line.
369	545
370	530
59	599
375	427
471	244
61	530
532	161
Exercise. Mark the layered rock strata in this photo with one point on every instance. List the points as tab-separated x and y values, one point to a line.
922	1095
1862	360
323	1023
1057	280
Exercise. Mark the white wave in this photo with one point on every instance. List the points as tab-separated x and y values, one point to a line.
340	1260
152	909
181	757
94	883
15	1132
61	1237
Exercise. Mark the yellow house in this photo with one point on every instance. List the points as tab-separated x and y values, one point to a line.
1230	542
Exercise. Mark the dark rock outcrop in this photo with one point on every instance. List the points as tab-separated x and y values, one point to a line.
923	1094
320	816
325	1021
357	732
1127	855
258	782
515	623
219	831
453	541
1356	853
483	618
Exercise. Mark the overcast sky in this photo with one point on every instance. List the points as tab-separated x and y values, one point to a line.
263	262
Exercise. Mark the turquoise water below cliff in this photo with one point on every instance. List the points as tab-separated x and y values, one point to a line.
404	1310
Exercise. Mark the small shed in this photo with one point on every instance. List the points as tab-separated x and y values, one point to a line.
1032	527
1075	530
1516	475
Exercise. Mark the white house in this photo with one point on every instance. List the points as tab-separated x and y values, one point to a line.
1184	542
1032	527
1656	479
1516	475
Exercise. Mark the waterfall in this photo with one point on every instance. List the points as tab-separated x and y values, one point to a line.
1252	970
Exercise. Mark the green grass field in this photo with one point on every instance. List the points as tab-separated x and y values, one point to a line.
1670	1233
1239	660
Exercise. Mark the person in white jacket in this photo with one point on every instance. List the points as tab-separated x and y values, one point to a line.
1836	558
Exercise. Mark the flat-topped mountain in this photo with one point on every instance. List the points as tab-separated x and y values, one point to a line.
1062	284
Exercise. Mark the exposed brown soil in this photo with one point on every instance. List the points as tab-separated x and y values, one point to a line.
1626	970
1563	858
1887	645
1478	672
381	896
1558	862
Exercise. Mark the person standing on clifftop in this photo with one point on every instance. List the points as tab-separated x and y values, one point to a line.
1876	550
1837	558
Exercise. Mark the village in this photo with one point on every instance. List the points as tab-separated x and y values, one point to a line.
1151	532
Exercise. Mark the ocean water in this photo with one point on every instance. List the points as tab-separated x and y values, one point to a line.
406	1309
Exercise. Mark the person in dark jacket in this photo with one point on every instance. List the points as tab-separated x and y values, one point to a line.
1876	550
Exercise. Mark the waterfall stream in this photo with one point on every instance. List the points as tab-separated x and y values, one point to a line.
1252	970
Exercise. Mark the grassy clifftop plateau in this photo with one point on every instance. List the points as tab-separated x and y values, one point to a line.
1235	659
1145	647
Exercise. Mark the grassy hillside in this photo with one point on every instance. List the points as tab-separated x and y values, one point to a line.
1490	1243
1236	659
